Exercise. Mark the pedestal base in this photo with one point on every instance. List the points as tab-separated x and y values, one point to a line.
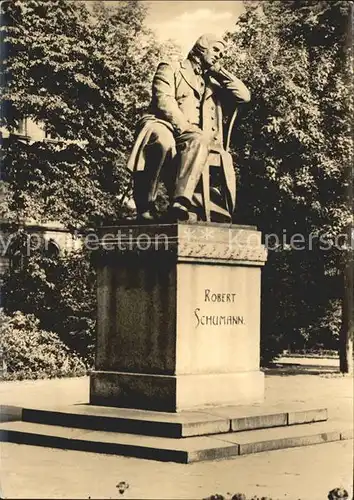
178	321
175	393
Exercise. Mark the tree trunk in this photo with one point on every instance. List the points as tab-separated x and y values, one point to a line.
347	327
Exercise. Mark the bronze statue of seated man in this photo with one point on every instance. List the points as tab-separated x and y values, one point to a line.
183	123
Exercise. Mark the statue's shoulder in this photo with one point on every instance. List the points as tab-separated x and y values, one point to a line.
173	65
168	71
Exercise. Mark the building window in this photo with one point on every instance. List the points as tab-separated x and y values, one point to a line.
52	249
32	129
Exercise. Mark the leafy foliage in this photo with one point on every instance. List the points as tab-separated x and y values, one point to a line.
84	71
31	353
59	290
293	152
335	494
85	74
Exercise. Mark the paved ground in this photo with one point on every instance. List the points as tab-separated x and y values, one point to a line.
308	361
307	473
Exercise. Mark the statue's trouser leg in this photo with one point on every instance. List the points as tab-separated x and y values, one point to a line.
192	154
159	150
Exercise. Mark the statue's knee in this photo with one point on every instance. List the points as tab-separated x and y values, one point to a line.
163	137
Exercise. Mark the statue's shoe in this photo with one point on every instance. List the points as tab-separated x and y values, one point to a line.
178	212
146	216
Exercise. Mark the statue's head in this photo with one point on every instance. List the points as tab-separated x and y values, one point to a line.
208	49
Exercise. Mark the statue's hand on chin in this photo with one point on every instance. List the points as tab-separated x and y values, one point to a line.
214	68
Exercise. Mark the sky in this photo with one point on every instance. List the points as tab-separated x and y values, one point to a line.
184	21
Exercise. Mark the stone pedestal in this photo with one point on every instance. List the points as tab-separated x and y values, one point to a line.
178	323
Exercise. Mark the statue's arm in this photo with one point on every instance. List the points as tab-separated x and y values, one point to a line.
163	98
231	83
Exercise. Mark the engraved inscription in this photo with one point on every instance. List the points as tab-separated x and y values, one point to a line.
210	296
216	297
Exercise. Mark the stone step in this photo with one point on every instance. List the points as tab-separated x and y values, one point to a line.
174	425
186	450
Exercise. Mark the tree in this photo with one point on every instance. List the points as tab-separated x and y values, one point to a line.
85	73
294	149
347	327
59	290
